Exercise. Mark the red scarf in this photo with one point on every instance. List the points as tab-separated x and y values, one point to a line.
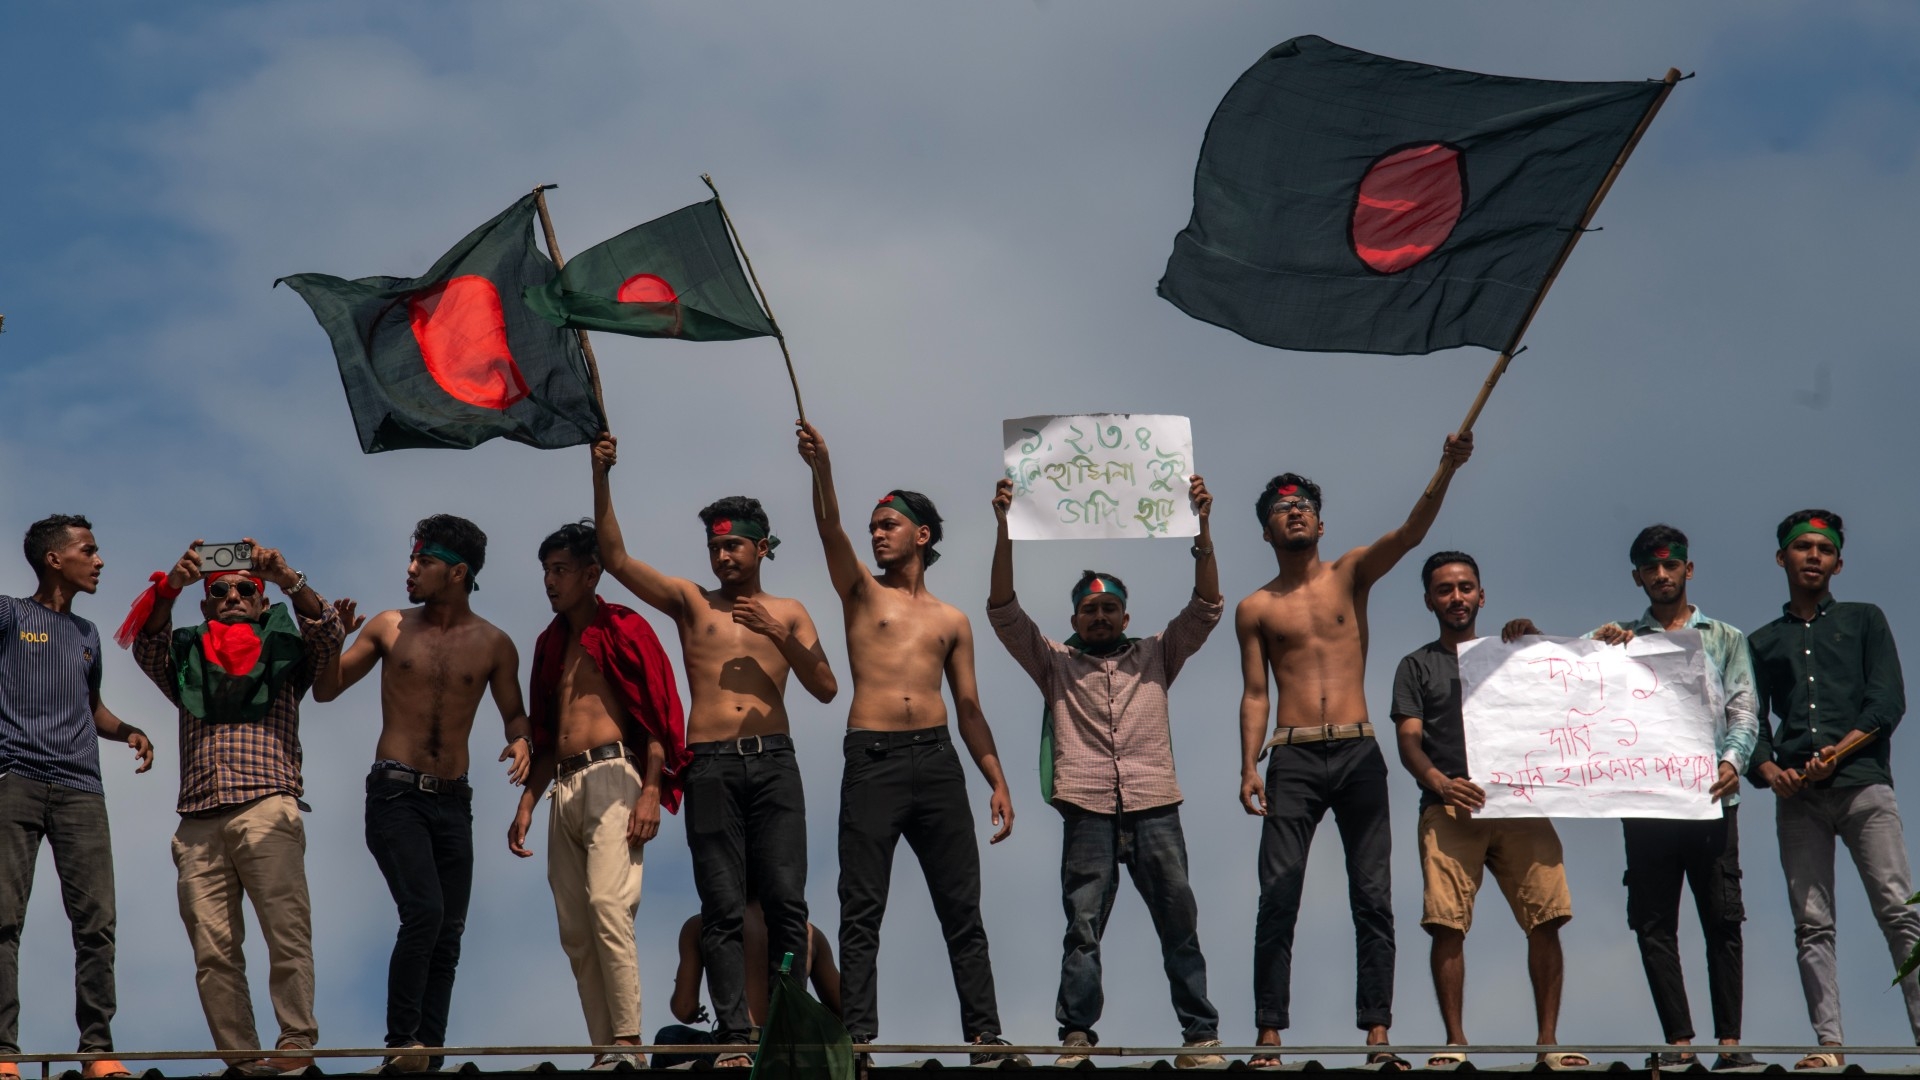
628	654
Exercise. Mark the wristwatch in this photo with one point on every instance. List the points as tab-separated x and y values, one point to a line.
1200	552
299	582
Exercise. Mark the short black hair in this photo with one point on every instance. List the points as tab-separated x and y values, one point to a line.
47	534
458	535
922	508
1271	493
1832	519
1445	558
1089	575
735	508
1651	539
576	538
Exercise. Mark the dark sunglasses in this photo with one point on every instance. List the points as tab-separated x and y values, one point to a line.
218	590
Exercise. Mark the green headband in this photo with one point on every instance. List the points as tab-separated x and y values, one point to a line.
896	501
1812	525
1658	553
1099	585
447	555
745	529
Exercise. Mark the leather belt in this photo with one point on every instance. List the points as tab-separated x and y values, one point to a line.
427	782
573	763
1294	736
745	745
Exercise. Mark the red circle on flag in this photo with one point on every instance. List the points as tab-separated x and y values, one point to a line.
1408	203
646	289
462	334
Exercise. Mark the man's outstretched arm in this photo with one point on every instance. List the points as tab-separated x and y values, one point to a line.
843	563
1391	548
659	591
1000	584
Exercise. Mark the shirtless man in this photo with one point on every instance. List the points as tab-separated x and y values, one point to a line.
746	811
609	735
817	964
1309	626
439	658
902	776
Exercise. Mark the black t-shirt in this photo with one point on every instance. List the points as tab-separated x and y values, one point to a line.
1427	686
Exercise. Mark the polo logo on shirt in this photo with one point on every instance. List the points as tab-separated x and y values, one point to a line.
86	656
30	636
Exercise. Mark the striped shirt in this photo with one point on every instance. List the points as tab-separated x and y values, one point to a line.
1112	739
226	764
49	672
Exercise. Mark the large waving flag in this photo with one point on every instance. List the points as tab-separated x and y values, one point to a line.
1349	202
455	357
674	276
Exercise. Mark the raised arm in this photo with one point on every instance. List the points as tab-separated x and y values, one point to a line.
1253	706
663	593
1206	571
1000	585
1375	561
972	723
352	663
505	686
843	562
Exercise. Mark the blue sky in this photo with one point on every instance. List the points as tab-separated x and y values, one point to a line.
959	212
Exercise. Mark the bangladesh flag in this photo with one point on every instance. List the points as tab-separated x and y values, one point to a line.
803	1040
1347	202
674	276
229	673
455	357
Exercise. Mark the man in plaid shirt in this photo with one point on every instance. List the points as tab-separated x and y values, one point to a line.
237	680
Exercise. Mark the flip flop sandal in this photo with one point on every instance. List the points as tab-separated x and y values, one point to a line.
1446	1058
1557	1060
1827	1061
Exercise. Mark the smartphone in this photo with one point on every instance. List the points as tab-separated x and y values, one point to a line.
237	555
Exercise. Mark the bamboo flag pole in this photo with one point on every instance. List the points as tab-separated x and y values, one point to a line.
1593	207
559	261
755	278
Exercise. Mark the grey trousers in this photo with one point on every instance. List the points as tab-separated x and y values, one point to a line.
1867	820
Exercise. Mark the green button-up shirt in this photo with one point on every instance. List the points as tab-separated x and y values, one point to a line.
1822	679
1737	727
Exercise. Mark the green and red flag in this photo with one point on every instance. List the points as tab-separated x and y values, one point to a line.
228	673
455	357
674	276
1348	202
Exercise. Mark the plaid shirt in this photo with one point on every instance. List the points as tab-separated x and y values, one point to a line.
227	764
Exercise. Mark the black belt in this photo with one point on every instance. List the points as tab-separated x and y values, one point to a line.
874	741
427	782
745	745
573	763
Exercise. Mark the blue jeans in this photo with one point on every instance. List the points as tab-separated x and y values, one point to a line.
1154	850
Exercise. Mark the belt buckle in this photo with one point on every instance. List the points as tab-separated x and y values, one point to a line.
1326	732
429	783
740	745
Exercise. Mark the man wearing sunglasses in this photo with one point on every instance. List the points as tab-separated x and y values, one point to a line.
237	679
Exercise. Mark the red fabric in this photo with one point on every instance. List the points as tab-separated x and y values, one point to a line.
628	654
218	574
142	608
234	646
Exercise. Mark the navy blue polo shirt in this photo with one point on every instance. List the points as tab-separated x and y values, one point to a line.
49	672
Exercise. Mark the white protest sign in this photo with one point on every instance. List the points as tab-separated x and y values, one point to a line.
1099	475
1565	727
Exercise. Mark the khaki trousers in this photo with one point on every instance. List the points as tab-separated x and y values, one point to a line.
595	875
258	848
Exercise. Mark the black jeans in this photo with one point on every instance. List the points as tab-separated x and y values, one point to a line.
747	830
74	823
909	783
1706	855
682	1035
1349	777
424	845
1154	849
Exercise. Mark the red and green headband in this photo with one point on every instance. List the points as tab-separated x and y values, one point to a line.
1099	585
896	501
445	554
1812	525
744	528
1658	553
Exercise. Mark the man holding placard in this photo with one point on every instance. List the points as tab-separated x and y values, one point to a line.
1830	672
1456	847
1107	766
1309	627
902	776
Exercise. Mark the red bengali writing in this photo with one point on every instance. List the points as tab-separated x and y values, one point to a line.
1567	756
1604	773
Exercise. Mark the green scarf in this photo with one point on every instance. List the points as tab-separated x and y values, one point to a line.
205	659
1046	714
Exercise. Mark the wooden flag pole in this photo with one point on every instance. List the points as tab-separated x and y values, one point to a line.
1593	207
755	278
559	261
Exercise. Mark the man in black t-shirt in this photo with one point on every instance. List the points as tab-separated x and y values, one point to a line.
1455	849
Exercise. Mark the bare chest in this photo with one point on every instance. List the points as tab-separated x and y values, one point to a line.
1310	617
437	661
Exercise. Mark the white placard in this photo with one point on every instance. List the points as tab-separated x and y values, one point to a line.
1099	476
1566	727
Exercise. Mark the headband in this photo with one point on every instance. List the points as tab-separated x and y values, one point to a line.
445	554
745	529
1813	525
896	501
218	574
1099	585
1281	491
1657	553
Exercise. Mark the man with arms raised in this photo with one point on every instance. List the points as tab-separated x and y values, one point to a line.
438	659
1456	849
51	724
902	776
746	811
1309	627
608	733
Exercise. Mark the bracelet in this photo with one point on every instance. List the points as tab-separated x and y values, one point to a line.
299	583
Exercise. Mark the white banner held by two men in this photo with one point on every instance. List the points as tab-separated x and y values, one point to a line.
1566	727
1097	476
